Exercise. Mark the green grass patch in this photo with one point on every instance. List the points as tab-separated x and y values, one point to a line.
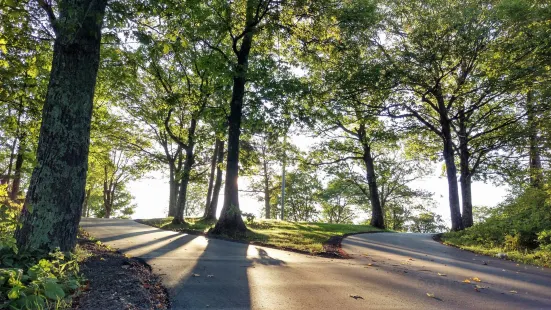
307	237
539	257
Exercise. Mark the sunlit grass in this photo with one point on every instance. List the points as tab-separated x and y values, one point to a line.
308	237
532	257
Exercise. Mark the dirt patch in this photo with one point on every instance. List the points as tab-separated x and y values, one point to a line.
333	247
116	282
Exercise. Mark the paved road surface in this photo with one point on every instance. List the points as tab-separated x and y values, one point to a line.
389	271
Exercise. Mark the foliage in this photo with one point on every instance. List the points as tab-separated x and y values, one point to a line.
32	280
520	225
45	283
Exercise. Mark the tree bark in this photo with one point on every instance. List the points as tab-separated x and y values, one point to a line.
211	178
173	194
451	173
377	218
53	204
85	207
267	208
182	195
14	193
230	221
465	179
211	215
535	167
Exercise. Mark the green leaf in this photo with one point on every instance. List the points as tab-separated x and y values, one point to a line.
14	292
32	302
52	290
166	48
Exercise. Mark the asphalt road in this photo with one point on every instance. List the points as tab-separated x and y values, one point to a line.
387	271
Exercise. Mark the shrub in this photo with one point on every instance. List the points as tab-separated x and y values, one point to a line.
521	224
32	280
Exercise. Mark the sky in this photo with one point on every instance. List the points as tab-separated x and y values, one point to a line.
151	194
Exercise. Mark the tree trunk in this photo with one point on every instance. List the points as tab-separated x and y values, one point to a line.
173	194
211	215
267	208
465	179
535	167
230	221
182	195
54	200
211	178
85	207
377	218
453	190
14	193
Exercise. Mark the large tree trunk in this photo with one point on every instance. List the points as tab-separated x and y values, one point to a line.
182	195
53	204
211	178
230	221
173	194
211	214
449	158
453	190
377	218
15	187
535	167
465	179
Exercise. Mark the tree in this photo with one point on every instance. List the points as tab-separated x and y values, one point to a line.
455	74
54	200
230	220
336	202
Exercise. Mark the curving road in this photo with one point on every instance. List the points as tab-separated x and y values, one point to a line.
387	271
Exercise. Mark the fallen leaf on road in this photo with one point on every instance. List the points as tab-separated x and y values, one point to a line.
466	281
477	279
430	295
480	287
442	274
356	297
370	264
196	275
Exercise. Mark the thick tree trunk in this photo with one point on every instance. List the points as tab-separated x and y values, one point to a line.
173	194
15	187
211	178
453	190
449	158
182	195
211	215
535	167
465	179
230	221
377	218
54	200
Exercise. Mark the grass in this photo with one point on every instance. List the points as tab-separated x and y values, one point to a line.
305	237
533	257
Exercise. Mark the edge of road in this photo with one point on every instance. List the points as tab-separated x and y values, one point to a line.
334	244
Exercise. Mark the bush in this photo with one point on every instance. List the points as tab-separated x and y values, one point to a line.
521	224
32	280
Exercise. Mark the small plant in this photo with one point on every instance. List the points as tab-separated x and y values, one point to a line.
250	217
32	280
